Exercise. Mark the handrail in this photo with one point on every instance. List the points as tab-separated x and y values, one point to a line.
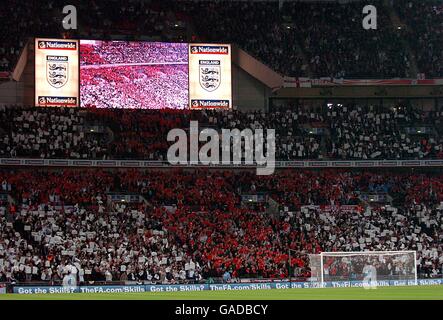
5	162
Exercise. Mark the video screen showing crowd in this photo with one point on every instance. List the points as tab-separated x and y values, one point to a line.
140	75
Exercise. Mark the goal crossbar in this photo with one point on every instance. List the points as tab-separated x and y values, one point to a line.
363	253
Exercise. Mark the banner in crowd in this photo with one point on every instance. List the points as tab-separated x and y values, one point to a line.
293	82
331	208
216	287
56	72
4	75
210	76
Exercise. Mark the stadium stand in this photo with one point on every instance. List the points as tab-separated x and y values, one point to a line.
170	225
337	51
349	132
424	21
296	39
193	226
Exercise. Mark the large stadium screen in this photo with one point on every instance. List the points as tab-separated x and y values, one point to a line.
56	72
132	74
210	76
143	75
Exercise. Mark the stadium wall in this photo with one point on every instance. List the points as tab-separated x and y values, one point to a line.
11	93
21	91
363	92
248	93
256	68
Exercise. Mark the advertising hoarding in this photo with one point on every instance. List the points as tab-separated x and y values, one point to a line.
210	83
56	72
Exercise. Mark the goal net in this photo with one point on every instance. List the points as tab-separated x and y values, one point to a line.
355	266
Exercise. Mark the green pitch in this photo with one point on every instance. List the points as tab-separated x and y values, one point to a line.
381	293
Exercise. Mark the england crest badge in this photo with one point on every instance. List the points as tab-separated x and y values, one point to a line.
210	74
57	70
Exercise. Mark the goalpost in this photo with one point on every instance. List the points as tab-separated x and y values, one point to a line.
353	266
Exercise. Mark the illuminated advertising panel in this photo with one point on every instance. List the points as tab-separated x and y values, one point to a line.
56	72
210	76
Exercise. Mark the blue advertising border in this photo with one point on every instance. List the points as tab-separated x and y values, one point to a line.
214	287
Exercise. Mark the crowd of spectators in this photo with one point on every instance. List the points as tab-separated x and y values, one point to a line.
21	20
336	132
46	133
255	26
425	24
380	133
101	19
337	45
329	34
193	225
294	38
98	19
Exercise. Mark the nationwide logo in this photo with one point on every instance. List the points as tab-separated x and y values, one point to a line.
210	74
215	104
209	49
57	45
57	101
57	70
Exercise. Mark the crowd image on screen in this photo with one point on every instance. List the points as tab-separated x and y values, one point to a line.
123	52
135	87
140	75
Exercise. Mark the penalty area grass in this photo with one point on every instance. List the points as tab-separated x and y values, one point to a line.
381	293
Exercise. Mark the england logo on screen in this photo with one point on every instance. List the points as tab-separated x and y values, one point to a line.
210	74
57	70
